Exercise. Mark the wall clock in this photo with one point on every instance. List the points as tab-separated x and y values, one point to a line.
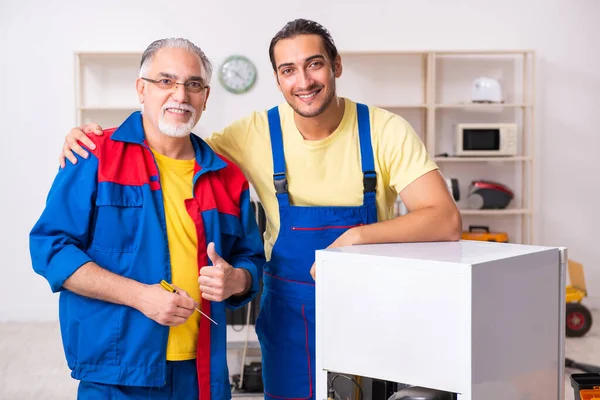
237	74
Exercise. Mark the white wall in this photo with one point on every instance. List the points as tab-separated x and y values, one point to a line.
38	39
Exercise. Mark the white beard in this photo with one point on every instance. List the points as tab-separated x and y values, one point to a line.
180	129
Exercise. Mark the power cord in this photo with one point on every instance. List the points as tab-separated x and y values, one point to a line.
331	390
245	344
593	369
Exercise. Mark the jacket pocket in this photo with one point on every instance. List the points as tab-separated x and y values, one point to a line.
118	218
231	231
89	329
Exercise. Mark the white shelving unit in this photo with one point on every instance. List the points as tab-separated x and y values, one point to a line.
105	86
432	90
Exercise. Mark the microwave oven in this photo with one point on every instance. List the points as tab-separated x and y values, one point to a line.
486	139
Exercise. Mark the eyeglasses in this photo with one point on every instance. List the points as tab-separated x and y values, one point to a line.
169	84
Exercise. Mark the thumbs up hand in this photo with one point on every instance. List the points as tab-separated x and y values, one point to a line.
215	258
217	282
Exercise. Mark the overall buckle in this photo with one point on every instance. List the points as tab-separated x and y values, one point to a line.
280	183
369	181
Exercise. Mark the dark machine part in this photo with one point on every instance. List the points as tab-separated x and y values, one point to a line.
452	184
252	379
420	393
238	317
585	386
261	218
486	195
383	389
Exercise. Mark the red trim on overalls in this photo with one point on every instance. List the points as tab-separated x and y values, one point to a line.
310	385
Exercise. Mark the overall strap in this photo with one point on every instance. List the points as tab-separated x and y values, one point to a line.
366	154
279	176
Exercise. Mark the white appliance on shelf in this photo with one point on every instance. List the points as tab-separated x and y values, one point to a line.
486	90
486	139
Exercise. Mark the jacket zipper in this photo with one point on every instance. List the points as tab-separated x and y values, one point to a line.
322	228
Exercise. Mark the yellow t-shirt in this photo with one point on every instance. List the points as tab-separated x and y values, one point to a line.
176	178
325	172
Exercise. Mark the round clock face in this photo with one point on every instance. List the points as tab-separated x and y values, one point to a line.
237	74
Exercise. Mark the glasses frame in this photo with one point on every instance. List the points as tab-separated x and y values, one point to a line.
186	85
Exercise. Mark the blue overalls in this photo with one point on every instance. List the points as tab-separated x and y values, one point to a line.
286	324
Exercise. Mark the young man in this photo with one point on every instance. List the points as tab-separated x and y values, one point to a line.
327	171
151	203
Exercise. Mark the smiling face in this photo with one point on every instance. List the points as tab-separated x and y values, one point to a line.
305	75
171	108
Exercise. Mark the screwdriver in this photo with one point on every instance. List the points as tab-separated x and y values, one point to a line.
171	289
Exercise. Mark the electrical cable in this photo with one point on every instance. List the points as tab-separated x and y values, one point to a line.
331	390
581	366
245	345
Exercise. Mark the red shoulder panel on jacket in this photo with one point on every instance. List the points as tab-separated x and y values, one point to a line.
124	163
226	186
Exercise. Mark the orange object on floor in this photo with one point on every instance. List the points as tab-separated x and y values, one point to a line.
590	394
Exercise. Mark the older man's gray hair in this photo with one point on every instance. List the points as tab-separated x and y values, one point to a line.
174	43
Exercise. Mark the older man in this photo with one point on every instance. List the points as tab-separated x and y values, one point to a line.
152	203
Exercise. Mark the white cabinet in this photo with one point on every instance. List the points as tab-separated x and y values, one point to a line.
483	320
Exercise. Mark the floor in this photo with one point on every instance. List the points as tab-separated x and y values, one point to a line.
32	362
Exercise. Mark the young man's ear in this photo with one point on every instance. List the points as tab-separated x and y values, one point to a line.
337	66
140	87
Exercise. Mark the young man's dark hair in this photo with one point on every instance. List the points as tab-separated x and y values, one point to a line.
304	27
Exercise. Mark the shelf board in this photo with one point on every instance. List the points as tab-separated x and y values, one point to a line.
109	108
108	54
435	52
482	159
255	395
387	106
252	344
481	52
509	211
382	53
483	105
